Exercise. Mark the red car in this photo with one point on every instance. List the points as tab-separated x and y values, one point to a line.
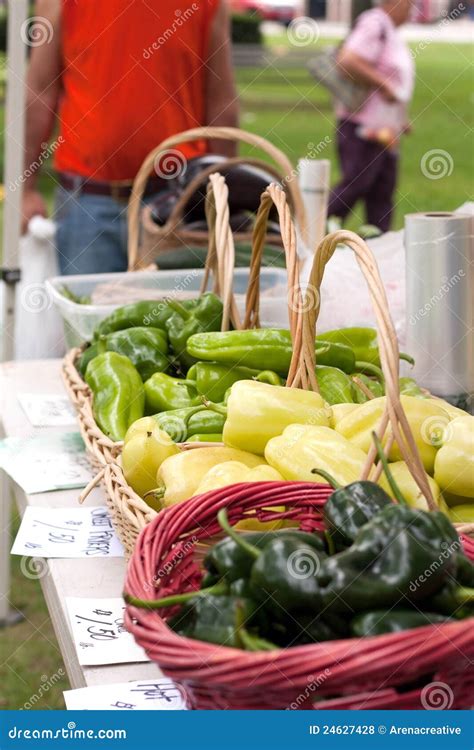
283	11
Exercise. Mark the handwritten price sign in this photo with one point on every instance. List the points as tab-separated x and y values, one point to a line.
147	695
55	462
47	410
67	532
99	633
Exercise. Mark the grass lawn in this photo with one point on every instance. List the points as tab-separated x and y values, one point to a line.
293	113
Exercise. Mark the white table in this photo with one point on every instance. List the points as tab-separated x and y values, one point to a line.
74	577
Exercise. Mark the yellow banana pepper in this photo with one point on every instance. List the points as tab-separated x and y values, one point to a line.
257	412
302	448
462	513
409	488
454	464
145	448
426	419
233	472
339	411
453	411
179	476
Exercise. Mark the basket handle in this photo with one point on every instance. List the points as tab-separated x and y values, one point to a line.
206	133
273	195
303	373
220	259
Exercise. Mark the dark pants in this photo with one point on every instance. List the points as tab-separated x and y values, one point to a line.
369	173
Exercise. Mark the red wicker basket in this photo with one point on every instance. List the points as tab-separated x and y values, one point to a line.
426	667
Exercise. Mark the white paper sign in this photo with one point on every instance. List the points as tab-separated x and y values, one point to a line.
99	633
44	463
160	694
47	409
67	532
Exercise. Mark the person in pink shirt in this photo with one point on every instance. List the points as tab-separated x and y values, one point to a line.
376	56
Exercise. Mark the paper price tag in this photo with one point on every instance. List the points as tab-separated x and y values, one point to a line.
99	632
146	695
47	409
55	462
67	532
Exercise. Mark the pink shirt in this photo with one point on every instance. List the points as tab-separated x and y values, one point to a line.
377	40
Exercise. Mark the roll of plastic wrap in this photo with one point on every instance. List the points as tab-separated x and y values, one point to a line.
440	303
314	178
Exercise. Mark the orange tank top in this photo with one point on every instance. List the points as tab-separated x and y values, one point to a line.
133	74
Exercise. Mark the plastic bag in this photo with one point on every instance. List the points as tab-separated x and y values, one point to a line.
38	326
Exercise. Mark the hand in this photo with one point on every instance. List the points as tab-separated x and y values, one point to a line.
388	92
33	204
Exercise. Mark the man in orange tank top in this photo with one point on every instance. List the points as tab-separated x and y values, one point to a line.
118	77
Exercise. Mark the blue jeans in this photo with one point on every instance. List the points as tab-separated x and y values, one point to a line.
91	235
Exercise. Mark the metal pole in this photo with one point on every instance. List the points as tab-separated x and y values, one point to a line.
10	274
14	156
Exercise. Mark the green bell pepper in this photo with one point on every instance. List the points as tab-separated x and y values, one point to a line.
146	348
382	621
118	393
264	348
409	387
375	387
363	342
181	423
163	392
214	380
148	313
195	316
334	385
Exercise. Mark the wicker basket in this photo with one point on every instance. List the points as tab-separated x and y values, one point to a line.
129	512
147	240
396	671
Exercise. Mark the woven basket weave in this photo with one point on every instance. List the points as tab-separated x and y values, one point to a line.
401	670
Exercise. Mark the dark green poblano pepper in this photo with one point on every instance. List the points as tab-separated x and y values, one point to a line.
382	621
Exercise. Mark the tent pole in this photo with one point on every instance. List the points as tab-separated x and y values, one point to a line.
14	166
14	156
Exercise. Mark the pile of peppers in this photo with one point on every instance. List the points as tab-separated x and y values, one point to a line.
366	575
